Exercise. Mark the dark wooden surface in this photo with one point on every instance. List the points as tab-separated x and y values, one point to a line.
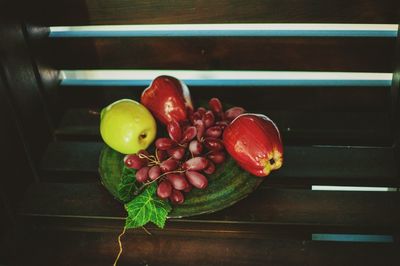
17	171
315	99
296	127
302	54
17	168
73	220
24	89
76	12
266	206
186	248
319	115
304	166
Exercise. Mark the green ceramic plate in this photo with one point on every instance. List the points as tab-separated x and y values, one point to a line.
226	186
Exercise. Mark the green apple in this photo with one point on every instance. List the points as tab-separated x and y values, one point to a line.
127	126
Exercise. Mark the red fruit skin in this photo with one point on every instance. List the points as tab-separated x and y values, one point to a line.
177	197
168	99
253	140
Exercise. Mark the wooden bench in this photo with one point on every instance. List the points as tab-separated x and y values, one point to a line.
336	201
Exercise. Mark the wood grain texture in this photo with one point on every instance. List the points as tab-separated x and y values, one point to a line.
264	206
91	248
294	54
316	99
304	115
76	12
17	171
296	127
303	166
24	88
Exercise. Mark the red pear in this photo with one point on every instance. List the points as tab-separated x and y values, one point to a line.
168	99
253	140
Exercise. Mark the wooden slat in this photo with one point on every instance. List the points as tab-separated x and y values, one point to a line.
297	127
303	166
72	159
316	99
23	89
76	12
162	248
322	54
264	206
18	169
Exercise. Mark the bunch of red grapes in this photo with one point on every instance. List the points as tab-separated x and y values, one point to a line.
193	149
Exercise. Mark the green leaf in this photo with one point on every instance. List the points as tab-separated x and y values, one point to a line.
147	207
127	185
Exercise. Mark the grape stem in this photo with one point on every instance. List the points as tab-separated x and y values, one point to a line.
140	189
158	159
153	159
120	246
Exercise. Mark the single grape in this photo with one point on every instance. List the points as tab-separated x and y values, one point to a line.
133	161
176	153
178	181
161	155
168	165
196	179
210	168
195	147
189	134
165	143
233	112
174	130
196	163
164	189
216	106
201	110
142	174
154	172
214	132
176	197
195	117
208	119
217	157
200	130
213	144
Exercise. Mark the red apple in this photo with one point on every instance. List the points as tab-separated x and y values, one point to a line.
253	140
168	99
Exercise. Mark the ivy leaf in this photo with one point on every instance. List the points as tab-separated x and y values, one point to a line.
127	185
147	207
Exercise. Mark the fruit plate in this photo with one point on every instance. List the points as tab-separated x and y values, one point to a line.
228	185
